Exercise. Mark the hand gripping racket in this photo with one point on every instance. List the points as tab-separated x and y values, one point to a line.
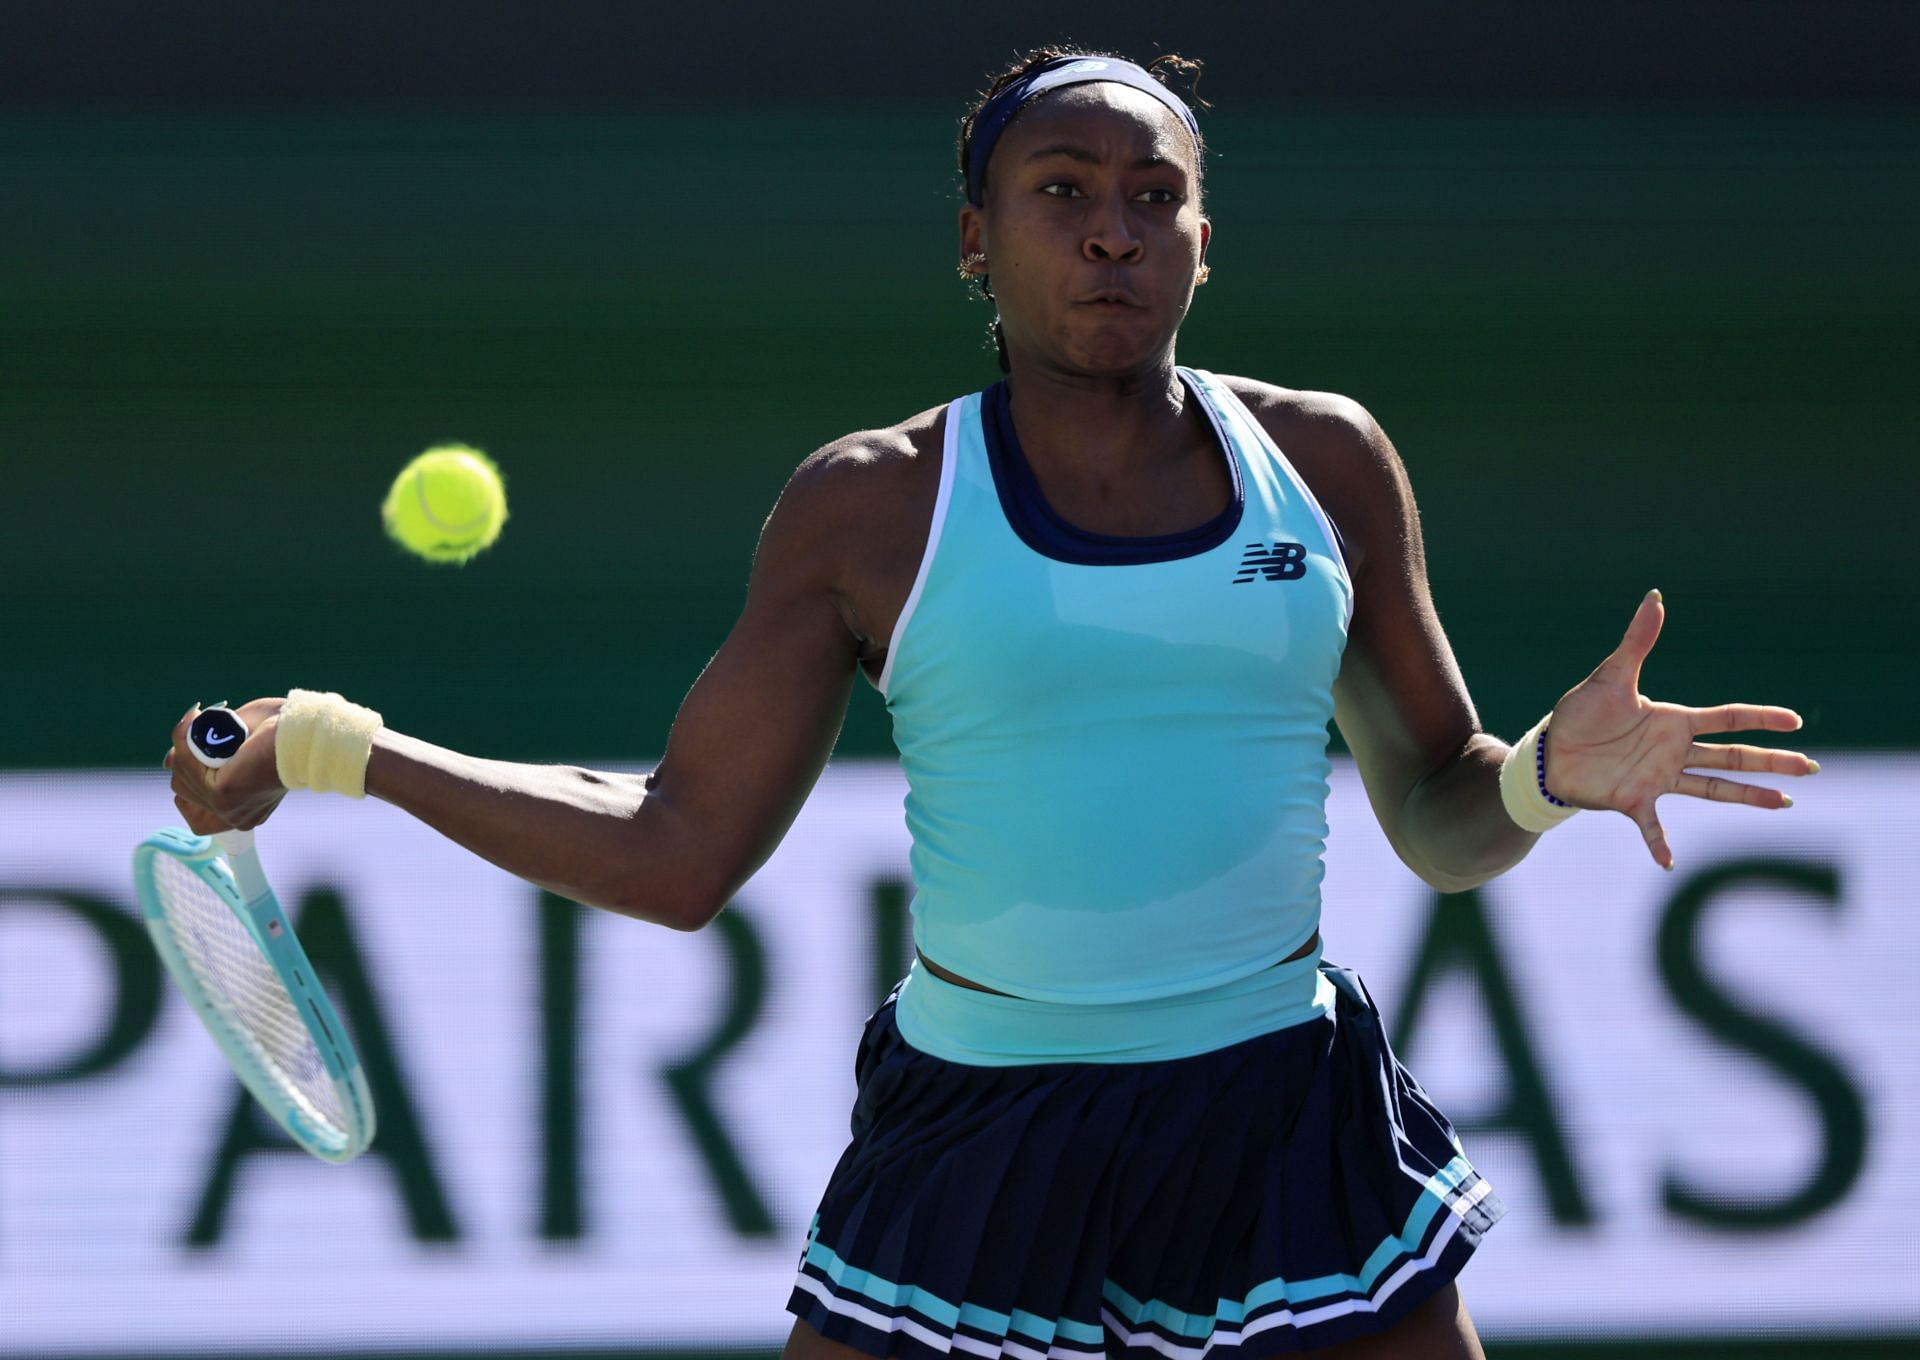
221	933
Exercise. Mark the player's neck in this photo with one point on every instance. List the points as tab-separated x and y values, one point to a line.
1114	425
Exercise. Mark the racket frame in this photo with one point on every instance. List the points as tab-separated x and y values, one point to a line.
242	887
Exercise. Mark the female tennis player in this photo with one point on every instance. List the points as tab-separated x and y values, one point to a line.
1120	1105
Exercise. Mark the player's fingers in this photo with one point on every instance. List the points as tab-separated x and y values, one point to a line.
1717	790
1648	820
193	782
198	819
1640	636
1750	759
1743	718
180	736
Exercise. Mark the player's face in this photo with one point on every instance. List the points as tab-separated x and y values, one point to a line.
1092	230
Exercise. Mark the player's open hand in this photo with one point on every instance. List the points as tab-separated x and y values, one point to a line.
240	794
1609	746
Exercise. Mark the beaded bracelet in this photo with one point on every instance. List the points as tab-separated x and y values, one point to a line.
1540	769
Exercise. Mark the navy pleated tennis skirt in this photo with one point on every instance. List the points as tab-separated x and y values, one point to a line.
1285	1193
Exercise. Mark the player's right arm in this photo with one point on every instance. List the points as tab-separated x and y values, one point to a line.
671	846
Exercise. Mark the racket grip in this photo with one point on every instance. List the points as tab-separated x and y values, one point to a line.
233	844
237	846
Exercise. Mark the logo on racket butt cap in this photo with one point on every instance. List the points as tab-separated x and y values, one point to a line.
215	735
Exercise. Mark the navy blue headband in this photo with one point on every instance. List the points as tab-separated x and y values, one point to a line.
998	111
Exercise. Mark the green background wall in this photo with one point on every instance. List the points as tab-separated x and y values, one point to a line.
1617	346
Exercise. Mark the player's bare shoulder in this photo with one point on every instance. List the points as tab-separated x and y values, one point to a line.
858	511
885	463
1337	446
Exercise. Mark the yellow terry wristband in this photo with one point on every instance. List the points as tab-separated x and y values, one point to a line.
322	742
1523	784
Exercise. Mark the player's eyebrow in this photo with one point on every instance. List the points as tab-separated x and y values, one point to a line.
1074	152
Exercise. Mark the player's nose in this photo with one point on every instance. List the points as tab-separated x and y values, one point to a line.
1111	236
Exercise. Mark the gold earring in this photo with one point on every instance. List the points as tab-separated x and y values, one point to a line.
973	266
1202	274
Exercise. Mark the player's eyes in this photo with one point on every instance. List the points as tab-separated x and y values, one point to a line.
1158	197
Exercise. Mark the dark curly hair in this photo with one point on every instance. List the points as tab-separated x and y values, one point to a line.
1164	68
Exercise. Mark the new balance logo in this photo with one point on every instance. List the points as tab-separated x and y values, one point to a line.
1280	562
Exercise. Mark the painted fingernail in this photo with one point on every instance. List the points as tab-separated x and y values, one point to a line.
1786	800
1813	767
1656	596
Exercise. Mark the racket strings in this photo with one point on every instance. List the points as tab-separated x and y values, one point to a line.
237	977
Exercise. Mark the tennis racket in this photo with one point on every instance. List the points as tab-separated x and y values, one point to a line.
222	935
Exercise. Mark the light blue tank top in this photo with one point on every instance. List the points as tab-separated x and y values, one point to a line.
1116	756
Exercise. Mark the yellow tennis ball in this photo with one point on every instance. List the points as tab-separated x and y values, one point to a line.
447	504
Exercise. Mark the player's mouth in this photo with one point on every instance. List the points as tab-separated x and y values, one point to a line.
1117	299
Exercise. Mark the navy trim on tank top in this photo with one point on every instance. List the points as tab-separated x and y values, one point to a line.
1339	543
1041	527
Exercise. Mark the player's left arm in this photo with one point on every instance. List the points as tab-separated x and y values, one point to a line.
1431	773
1401	702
